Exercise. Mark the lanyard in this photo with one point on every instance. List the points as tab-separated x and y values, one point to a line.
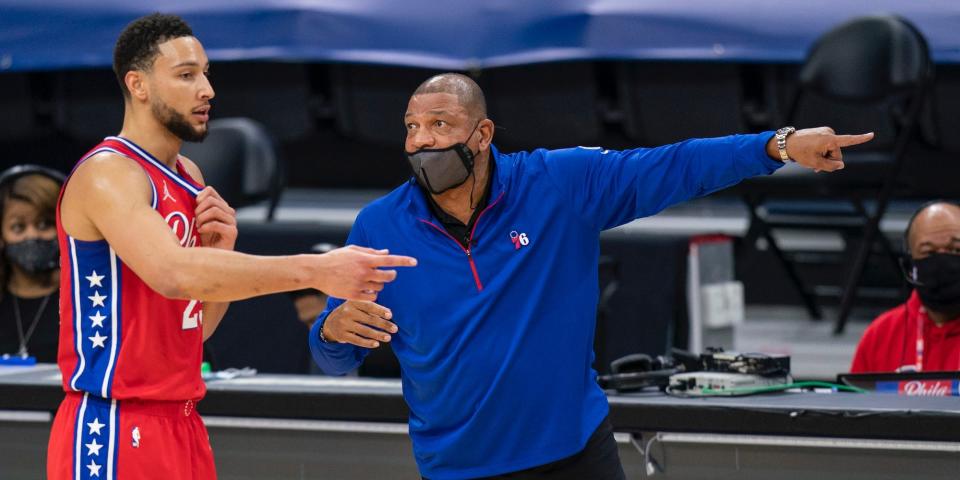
920	319
24	338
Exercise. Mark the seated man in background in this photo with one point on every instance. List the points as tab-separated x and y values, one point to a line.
922	334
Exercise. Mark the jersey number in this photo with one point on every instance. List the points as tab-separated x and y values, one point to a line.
192	319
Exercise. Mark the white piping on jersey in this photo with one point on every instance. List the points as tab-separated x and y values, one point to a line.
111	443
163	168
77	317
99	150
154	188
114	300
79	438
112	150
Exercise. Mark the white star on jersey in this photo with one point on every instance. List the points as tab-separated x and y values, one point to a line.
97	299
93	448
94	469
98	340
95	426
95	279
98	319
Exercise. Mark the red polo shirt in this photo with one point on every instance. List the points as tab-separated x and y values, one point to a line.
890	342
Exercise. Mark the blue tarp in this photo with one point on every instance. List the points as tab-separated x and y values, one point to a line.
460	34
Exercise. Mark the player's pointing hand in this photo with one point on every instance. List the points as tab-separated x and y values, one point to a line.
355	273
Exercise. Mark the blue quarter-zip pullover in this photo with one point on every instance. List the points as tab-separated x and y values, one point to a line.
495	341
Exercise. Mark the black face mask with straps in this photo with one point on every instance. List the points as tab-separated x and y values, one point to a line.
937	281
440	169
34	255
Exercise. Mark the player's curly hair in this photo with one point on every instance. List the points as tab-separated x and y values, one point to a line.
137	45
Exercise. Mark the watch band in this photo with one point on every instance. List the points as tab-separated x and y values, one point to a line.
322	338
781	136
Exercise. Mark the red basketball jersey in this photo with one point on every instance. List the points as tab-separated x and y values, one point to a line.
120	339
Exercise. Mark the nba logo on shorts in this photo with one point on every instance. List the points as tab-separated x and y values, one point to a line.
136	437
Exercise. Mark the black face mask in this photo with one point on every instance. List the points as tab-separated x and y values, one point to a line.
35	255
937	280
440	169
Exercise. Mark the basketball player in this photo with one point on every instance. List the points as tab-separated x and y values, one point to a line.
148	266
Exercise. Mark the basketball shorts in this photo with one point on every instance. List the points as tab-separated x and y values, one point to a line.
103	439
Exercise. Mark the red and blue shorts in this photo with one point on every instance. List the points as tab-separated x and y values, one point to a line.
104	439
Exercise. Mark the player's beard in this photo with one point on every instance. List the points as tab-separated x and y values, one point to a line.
176	123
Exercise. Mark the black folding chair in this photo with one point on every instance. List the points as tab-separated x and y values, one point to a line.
239	159
871	73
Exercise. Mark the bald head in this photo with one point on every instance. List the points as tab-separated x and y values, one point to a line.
935	227
468	93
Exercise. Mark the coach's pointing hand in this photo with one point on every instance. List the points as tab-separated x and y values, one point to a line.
364	324
817	148
353	273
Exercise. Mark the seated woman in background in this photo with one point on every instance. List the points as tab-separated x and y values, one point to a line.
29	264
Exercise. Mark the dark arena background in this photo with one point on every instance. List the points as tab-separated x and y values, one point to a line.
307	127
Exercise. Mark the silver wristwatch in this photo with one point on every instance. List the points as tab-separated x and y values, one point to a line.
782	135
